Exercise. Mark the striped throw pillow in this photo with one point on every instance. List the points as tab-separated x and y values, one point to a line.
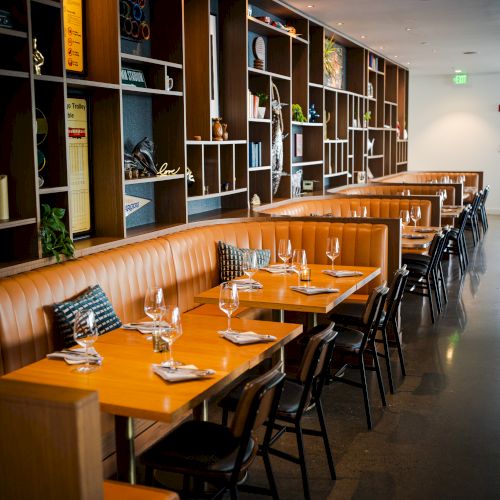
231	260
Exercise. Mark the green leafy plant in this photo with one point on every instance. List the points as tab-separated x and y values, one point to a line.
263	98
54	235
367	116
329	50
297	114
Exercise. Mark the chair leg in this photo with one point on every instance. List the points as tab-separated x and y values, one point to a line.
464	246
443	284
326	441
365	393
270	475
434	287
233	492
387	356
302	461
225	416
431	304
399	348
379	375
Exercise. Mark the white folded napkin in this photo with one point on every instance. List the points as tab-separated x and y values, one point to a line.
77	356
246	283
181	373
313	290
414	236
145	327
342	274
425	230
277	269
244	338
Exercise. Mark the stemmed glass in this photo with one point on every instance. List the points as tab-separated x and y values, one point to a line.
299	261
405	217
154	307
228	302
354	213
332	249
85	334
285	252
364	211
171	332
249	265
415	214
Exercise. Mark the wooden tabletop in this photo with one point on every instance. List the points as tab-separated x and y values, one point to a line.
276	293
451	211
127	385
417	246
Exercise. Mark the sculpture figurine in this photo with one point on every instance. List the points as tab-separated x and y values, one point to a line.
255	200
327	116
313	114
217	131
225	135
38	59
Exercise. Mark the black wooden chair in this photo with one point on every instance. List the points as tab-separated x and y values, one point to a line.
483	218
220	455
472	223
351	314
301	393
355	342
457	245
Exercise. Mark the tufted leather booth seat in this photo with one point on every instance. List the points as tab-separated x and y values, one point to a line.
471	178
415	190
343	207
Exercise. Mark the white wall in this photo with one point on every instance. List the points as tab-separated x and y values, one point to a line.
456	127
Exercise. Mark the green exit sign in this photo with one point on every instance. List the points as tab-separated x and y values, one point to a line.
461	79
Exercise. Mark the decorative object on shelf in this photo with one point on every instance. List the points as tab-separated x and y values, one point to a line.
298	143
327	116
73	36
291	29
4	198
54	235
225	134
38	59
5	19
370	89
214	68
206	190
42	130
196	137
297	114
133	22
250	10
225	186
255	200
169	81
163	170
144	155
133	76
360	177
255	154
277	139
369	173
261	109
308	185
373	62
314	116
369	146
296	183
405	134
134	203
189	177
78	165
333	63
259	52
398	130
130	168
217	130
41	163
366	118
355	123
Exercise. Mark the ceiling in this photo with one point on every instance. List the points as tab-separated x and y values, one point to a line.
430	35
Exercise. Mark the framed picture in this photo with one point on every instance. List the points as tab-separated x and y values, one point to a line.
214	75
298	144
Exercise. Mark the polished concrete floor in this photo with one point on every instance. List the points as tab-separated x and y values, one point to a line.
439	436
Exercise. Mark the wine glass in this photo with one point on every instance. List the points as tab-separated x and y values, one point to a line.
249	265
171	332
405	217
284	252
415	214
85	334
332	249
354	213
154	307
364	211
228	302
299	261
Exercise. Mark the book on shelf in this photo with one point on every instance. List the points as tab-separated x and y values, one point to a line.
255	154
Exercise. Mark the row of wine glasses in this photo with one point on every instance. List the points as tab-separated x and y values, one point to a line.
414	214
362	211
157	310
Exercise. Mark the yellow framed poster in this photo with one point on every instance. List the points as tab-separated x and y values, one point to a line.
79	179
73	35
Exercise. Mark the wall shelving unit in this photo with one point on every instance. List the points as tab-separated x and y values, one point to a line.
334	149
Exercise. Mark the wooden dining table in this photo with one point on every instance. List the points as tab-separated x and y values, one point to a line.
421	245
276	293
128	387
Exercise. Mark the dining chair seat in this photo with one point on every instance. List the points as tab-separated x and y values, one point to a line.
349	339
351	313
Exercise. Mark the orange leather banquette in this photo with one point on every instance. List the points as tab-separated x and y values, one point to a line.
184	263
382	189
343	207
471	178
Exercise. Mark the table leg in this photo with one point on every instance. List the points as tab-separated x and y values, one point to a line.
201	411
125	449
279	315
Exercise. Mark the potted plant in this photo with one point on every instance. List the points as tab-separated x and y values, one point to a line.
54	235
366	118
297	114
261	109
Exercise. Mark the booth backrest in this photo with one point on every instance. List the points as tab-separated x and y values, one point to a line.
471	178
343	207
396	189
184	263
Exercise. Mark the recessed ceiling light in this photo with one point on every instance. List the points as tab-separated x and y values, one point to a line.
310	6
381	47
424	43
458	71
408	28
408	63
395	57
363	36
470	52
340	24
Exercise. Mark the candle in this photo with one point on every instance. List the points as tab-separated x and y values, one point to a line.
305	274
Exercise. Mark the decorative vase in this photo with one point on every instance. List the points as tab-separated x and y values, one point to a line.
217	130
225	135
261	112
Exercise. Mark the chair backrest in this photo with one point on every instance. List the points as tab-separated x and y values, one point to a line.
395	294
462	219
372	313
476	203
436	251
486	192
257	404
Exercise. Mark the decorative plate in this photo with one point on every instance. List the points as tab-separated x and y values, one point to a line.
259	48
